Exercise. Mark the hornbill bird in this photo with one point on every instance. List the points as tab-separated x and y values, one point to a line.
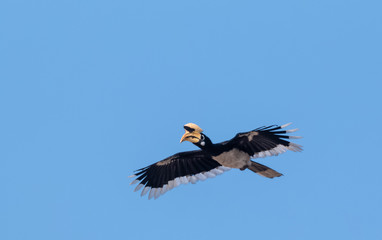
214	159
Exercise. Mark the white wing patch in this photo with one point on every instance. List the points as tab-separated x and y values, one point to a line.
280	148
157	192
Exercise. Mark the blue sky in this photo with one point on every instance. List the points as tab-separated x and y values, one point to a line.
92	90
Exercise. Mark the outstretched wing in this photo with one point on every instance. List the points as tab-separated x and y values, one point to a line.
265	141
180	168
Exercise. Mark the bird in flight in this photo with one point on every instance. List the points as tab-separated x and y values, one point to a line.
214	159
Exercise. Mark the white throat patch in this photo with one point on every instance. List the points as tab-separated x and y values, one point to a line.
202	142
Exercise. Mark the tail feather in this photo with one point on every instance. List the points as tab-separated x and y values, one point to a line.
263	170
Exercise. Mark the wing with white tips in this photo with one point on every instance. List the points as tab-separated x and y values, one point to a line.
173	171
265	141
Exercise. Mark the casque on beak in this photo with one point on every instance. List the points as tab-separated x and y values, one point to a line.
192	134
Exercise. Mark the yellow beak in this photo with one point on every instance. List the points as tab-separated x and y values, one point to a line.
193	137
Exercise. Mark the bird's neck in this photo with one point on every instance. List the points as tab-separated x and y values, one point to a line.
205	143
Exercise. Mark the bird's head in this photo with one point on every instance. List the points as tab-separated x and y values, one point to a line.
193	133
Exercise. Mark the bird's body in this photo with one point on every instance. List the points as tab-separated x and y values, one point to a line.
233	159
214	159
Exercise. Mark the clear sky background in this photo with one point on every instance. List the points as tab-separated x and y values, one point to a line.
92	90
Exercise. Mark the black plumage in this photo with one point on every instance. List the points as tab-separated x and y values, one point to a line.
214	159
